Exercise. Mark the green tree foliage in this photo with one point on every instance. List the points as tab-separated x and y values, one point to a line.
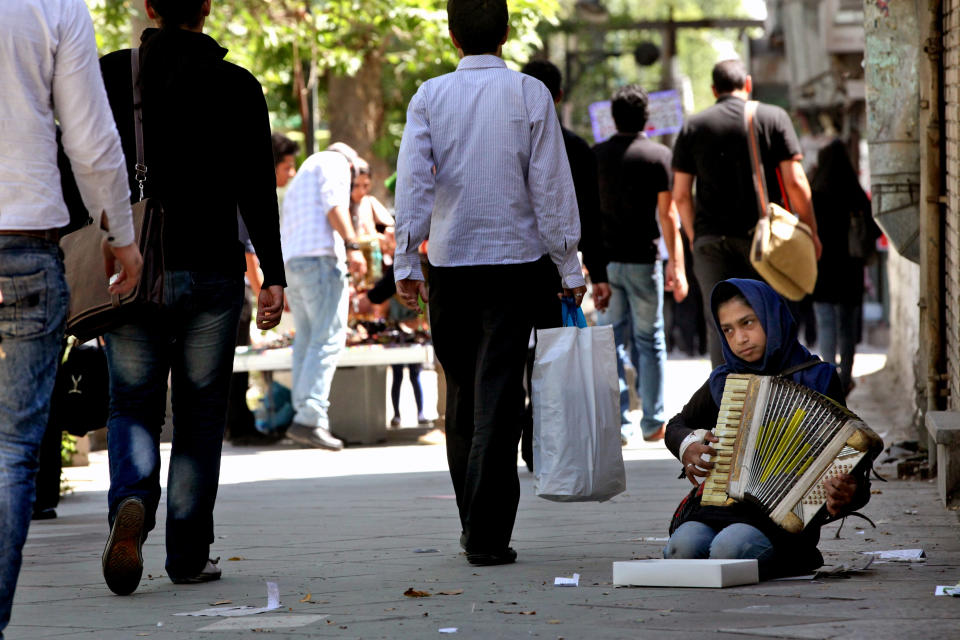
406	39
605	59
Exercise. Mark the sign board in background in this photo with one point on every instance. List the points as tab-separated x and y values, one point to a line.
665	109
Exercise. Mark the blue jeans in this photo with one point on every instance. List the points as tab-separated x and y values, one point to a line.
693	540
191	339
636	313
837	327
33	310
317	289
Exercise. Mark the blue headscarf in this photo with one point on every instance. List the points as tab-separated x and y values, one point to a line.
783	349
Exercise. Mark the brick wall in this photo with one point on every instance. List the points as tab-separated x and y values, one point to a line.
951	240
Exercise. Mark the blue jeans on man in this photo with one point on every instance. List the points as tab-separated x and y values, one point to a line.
191	339
317	289
33	308
636	313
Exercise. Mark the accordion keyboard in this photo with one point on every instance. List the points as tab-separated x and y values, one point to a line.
728	425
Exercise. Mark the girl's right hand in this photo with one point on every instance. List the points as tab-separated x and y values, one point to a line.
693	464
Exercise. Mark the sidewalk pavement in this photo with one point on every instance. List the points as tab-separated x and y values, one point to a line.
344	535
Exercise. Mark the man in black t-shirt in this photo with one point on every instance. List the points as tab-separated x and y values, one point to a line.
712	148
634	180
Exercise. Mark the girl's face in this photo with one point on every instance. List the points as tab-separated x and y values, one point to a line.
742	329
361	187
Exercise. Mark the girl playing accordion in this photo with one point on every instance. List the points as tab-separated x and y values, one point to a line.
760	338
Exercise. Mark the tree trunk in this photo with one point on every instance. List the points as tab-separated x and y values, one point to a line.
355	115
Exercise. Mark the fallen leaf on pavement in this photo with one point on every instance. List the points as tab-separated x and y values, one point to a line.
235	558
413	593
451	592
221	602
554	622
306	598
519	613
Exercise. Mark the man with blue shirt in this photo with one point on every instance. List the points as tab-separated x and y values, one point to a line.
483	172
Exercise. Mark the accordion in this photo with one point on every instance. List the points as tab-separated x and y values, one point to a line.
778	440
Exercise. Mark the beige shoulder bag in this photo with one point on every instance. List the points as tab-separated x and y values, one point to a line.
782	250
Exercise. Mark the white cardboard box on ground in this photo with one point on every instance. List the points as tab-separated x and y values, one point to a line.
684	573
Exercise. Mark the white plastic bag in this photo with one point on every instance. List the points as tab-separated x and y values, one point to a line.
576	415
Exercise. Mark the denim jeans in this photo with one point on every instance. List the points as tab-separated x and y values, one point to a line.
317	289
694	540
837	327
191	339
636	313
33	308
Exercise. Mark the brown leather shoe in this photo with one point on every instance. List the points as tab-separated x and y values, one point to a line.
657	435
316	437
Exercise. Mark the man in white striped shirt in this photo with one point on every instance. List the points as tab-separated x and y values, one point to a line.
48	72
483	172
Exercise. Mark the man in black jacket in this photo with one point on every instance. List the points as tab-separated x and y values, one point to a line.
583	167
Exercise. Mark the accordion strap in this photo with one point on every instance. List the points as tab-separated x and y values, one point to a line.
799	367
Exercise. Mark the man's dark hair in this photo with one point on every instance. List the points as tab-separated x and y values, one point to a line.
629	107
178	13
547	73
478	25
283	147
729	75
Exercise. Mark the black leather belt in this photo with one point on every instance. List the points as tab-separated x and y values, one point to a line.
50	235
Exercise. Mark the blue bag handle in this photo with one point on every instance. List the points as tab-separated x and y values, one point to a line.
571	314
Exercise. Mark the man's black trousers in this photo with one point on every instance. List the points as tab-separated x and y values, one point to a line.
481	318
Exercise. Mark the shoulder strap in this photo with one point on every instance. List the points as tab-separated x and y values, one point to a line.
140	167
800	367
759	176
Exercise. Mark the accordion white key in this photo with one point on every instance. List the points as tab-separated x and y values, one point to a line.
778	441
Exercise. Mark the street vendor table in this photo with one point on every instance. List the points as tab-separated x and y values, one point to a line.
358	396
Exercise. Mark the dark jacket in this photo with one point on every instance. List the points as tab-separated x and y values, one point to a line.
207	149
583	168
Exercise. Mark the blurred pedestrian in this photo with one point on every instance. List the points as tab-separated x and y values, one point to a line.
49	73
369	216
319	247
634	175
712	150
849	238
483	171
190	339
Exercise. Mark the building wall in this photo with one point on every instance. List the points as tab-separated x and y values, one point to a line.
951	239
904	278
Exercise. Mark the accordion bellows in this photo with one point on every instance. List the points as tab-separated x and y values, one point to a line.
778	441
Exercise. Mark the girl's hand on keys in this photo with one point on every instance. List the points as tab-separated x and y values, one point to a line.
693	464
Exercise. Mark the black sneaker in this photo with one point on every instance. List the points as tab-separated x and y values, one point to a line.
122	557
209	573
